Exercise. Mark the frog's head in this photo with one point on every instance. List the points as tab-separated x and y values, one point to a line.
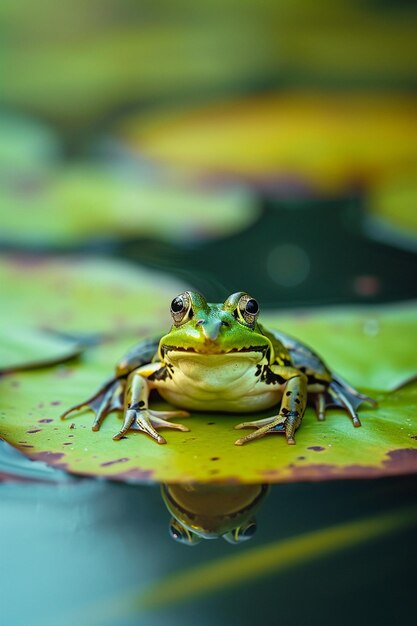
212	511
212	329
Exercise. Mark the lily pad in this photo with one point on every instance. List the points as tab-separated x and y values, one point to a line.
27	149
326	141
25	348
386	444
102	203
370	346
113	304
83	298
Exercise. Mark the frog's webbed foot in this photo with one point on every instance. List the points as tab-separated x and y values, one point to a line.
275	424
147	421
107	399
341	399
290	414
341	394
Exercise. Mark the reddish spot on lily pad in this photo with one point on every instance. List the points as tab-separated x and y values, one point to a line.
404	459
45	421
123	460
134	474
48	457
51	458
34	430
401	461
316	448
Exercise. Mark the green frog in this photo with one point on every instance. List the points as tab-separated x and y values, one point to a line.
218	357
210	511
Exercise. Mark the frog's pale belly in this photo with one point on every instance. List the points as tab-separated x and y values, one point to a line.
221	382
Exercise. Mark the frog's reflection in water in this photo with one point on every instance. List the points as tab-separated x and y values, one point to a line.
210	511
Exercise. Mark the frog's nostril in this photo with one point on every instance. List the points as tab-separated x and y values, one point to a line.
200	322
211	329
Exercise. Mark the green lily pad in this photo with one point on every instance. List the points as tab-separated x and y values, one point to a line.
372	347
27	149
26	348
32	402
82	298
53	308
99	202
115	304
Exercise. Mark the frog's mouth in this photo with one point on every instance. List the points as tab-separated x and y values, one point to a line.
214	351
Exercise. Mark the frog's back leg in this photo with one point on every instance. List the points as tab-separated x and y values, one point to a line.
105	400
110	396
341	394
325	387
144	352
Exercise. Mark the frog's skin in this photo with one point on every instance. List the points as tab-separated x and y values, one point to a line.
212	511
218	357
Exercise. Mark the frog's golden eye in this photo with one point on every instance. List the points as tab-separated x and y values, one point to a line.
243	533
247	310
180	307
182	535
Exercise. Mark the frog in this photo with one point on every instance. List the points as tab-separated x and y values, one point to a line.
218	357
212	511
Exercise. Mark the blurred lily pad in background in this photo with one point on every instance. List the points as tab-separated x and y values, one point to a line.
45	201
28	148
326	142
24	348
85	61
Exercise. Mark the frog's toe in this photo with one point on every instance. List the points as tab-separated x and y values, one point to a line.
343	400
254	424
157	419
320	403
148	421
268	425
138	420
107	399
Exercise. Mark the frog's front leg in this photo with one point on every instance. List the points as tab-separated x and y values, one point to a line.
293	404
137	414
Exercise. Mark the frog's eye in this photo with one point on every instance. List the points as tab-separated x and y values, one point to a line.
247	310
181	534
180	307
243	533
